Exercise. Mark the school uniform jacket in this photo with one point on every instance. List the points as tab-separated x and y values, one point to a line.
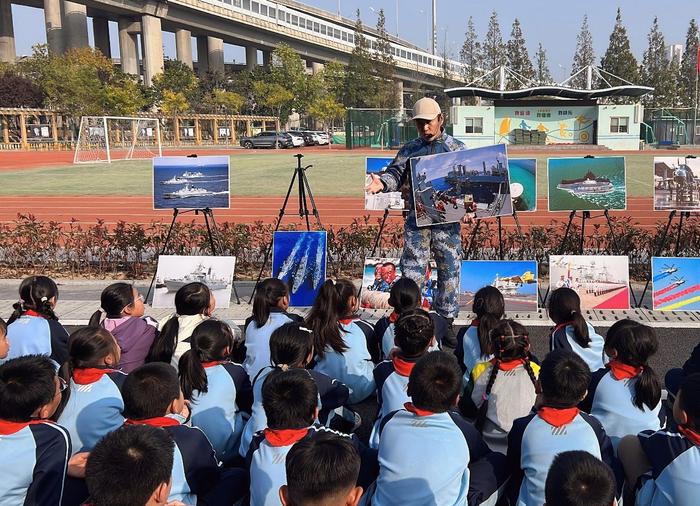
562	337
94	407
34	462
354	366
468	350
32	334
674	479
219	412
134	337
332	394
436	459
536	439
610	399
257	339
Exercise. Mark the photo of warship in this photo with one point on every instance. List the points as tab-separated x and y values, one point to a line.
190	174
190	191
201	275
174	180
590	184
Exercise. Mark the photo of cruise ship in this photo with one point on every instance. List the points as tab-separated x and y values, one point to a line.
191	183
586	184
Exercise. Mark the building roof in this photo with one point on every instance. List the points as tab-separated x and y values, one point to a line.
550	91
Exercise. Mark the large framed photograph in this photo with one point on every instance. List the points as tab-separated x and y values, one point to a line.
675	283
383	200
448	185
676	183
602	282
523	183
191	183
299	259
586	184
380	274
516	280
176	271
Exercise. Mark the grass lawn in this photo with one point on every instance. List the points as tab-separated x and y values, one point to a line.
260	173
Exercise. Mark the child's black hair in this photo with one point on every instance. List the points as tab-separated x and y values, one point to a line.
149	390
435	382
191	299
267	295
404	295
211	340
413	331
489	308
565	307
35	293
3	326
128	465
320	468
87	347
331	305
509	341
290	345
689	393
26	384
113	300
577	478
635	344
290	399
564	378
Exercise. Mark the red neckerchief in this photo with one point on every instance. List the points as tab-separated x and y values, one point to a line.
347	321
622	371
31	312
285	437
558	417
475	322
213	363
88	375
508	365
417	411
690	434
8	428
158	421
393	317
561	326
402	366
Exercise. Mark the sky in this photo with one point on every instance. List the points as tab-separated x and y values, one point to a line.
551	22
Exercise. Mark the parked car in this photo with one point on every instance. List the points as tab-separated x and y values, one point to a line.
323	138
310	138
297	138
268	139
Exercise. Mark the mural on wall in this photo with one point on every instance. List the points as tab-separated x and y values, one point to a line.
549	124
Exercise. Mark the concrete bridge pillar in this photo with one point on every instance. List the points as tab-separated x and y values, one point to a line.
8	52
183	46
251	57
128	47
75	25
399	93
152	41
317	67
267	58
215	54
202	55
100	27
54	26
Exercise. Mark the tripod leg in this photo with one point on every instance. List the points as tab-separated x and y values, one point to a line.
379	232
472	240
314	209
520	233
207	213
572	215
659	250
583	231
684	214
162	251
500	238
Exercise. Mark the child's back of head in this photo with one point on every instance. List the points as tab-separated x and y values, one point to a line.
578	478
564	307
333	303
435	382
131	466
289	399
270	293
413	332
291	345
686	409
564	378
489	308
28	388
37	294
149	391
404	295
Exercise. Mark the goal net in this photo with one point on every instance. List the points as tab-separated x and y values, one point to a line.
112	138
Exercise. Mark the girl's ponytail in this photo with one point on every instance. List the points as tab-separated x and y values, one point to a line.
35	293
323	320
192	374
484	408
211	340
16	313
565	308
268	294
647	390
165	342
486	324
580	328
95	319
489	308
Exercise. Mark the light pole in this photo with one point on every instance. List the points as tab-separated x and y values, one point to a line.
397	19
427	29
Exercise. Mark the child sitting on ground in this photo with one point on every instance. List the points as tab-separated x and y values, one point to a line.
152	396
498	399
33	327
556	427
429	454
404	295
572	331
626	396
413	333
578	478
663	466
124	308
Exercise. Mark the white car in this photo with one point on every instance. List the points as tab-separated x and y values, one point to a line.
297	139
322	138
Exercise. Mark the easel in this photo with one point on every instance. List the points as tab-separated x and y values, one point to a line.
304	192
475	231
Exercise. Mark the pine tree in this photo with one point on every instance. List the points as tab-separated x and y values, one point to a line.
689	65
618	59
470	53
542	74
359	83
385	96
518	57
493	51
583	57
655	67
674	74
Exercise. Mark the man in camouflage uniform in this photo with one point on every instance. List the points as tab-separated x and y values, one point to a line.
443	241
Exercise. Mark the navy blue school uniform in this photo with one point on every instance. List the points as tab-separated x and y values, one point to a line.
94	407
222	410
675	463
562	337
610	399
257	339
32	334
35	460
536	439
468	350
332	394
674	377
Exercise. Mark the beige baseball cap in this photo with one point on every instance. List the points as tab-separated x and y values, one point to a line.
426	108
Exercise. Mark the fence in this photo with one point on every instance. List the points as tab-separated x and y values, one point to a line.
377	128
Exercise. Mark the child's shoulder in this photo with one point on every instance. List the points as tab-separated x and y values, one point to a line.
188	435
48	433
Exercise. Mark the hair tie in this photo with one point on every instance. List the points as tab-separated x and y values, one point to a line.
305	329
485	396
573	311
175	315
283	367
44	299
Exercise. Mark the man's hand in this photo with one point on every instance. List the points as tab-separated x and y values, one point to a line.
469	219
375	185
76	465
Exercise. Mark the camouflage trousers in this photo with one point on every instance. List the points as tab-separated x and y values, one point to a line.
442	243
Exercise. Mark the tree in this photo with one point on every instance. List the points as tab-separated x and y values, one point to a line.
583	57
542	74
359	85
226	102
655	67
173	103
470	54
327	109
19	91
176	76
124	95
618	59
518	57
274	96
385	96
493	50
689	66
288	71
333	76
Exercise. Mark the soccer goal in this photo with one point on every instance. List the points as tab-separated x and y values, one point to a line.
112	138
